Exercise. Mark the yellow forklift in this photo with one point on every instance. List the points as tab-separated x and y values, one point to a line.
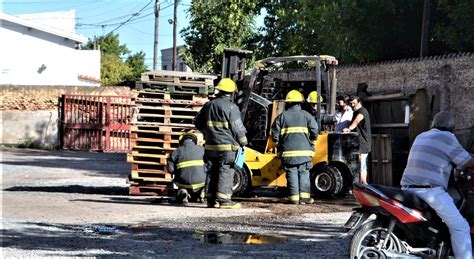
260	99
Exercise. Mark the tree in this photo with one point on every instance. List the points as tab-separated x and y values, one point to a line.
114	70
453	29
215	25
137	64
353	31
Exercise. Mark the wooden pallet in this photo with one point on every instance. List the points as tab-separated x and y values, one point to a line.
165	119
150	190
190	89
163	97
151	159
157	177
148	167
178	77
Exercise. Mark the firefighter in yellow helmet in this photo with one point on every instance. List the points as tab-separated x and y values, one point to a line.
224	133
294	132
186	163
313	103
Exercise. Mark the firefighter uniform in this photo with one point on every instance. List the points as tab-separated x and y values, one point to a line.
187	165
294	132
224	133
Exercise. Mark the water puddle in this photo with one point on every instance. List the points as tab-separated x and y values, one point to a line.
216	237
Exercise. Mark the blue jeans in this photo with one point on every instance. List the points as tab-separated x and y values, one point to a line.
443	204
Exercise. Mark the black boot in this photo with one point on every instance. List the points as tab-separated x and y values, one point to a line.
182	197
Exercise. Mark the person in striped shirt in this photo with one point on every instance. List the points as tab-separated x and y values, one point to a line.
427	174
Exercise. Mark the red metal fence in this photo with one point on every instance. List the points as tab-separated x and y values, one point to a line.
92	122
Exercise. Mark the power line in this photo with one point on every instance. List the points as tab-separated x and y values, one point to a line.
118	27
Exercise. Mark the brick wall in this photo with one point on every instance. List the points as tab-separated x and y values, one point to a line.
34	98
448	78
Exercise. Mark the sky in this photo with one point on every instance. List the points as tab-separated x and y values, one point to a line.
99	17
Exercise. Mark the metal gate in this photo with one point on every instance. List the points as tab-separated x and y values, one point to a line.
93	122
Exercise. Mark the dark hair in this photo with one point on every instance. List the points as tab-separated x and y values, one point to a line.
355	97
346	99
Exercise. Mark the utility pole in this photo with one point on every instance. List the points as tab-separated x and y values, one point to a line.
174	33
425	25
155	44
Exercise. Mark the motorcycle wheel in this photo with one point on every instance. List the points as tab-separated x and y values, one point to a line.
365	240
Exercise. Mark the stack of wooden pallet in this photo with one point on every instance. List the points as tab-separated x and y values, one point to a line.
166	105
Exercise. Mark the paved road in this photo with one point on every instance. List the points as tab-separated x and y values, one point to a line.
57	204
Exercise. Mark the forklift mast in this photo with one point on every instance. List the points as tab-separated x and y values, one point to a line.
270	81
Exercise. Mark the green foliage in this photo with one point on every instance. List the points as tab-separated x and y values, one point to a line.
215	25
353	31
109	44
28	142
114	71
137	63
454	29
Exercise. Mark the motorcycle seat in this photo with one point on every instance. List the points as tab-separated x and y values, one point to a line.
406	198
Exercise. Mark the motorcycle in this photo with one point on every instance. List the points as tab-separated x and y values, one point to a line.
404	226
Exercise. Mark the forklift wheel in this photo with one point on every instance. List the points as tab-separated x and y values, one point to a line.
241	182
326	181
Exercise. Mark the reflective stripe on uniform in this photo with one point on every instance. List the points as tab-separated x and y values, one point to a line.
297	153
294	130
305	195
190	163
243	139
218	124
221	147
190	186
294	197
223	196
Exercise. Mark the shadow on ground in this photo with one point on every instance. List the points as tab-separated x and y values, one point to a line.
96	163
105	190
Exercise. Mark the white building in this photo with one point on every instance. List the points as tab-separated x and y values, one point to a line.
167	60
43	49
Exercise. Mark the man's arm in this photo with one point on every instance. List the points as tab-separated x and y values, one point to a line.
237	126
200	119
458	155
354	124
170	162
276	130
313	128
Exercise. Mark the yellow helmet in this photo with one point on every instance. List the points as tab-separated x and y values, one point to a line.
313	97
294	96
227	85
187	135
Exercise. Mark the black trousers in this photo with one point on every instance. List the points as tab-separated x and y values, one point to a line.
221	175
298	181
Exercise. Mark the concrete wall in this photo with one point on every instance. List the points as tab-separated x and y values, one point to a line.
30	128
33	57
449	81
